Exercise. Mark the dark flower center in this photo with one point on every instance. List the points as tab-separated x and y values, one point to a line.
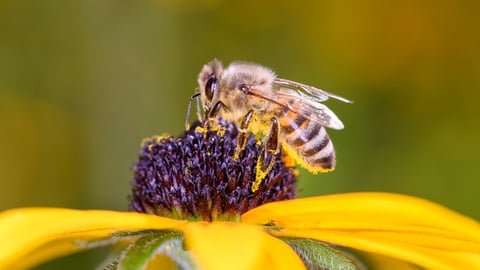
196	176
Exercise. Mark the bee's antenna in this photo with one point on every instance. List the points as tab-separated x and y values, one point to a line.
187	120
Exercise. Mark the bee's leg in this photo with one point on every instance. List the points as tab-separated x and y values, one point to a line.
215	109
211	117
266	159
212	114
187	119
200	116
242	136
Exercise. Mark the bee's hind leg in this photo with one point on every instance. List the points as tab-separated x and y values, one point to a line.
243	135
266	159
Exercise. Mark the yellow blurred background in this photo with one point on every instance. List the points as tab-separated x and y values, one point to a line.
82	82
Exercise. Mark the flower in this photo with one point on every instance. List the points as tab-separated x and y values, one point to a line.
197	178
210	219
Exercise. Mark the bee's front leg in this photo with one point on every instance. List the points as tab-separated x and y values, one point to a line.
210	119
243	135
199	115
266	160
212	114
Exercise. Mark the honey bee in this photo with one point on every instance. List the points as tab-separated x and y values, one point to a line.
282	113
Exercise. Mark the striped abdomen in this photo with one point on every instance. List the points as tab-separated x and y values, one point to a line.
307	141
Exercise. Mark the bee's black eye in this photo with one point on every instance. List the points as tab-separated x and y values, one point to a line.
210	87
243	87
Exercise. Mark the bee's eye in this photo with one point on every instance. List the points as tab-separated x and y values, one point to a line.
243	87
210	87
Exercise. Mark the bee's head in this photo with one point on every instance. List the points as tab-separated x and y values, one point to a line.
209	83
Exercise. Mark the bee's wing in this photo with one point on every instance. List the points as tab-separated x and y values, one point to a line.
307	91
301	104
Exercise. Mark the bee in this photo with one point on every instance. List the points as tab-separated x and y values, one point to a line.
281	113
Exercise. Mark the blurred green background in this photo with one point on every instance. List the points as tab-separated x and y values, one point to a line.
82	82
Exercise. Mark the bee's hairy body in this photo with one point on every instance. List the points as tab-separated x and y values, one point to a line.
306	141
275	110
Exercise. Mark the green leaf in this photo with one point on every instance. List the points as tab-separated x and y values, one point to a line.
112	260
113	265
128	234
140	252
318	255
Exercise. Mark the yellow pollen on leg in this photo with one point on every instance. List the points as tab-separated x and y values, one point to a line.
260	174
200	129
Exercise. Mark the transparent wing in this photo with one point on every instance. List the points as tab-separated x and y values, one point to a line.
305	91
301	104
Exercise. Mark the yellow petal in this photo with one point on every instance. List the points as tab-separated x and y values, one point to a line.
32	235
52	249
375	261
399	226
430	258
224	245
162	261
